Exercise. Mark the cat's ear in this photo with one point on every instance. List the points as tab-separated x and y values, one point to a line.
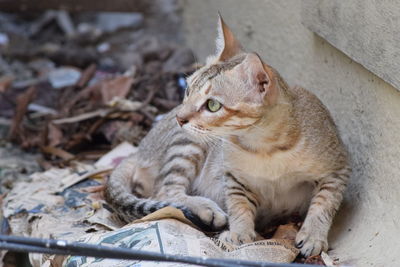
227	45
260	78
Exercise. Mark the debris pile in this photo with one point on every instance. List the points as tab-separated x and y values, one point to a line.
72	87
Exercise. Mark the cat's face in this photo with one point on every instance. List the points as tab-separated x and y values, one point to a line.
228	95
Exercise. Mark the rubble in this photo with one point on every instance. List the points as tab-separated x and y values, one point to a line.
70	84
15	165
63	77
114	21
69	204
4	40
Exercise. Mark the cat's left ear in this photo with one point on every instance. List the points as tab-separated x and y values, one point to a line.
227	45
260	78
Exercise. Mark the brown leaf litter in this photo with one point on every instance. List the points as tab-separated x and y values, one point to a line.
64	101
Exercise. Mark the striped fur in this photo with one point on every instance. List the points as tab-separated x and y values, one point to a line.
160	175
270	151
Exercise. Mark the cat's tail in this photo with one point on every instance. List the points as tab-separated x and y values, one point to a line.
130	207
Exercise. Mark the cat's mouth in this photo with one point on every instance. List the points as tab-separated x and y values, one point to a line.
196	129
200	133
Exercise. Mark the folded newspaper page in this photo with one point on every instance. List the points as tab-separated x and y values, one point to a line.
68	204
158	232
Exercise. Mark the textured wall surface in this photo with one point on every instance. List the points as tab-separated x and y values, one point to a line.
368	31
365	108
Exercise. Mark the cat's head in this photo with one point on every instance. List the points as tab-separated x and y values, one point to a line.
230	93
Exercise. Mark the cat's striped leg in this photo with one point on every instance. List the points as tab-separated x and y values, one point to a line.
183	164
241	204
313	235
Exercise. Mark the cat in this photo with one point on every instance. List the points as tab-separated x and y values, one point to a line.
242	149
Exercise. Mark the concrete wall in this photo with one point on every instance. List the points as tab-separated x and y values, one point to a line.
368	31
365	108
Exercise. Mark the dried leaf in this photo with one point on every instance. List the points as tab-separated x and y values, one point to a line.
165	103
44	164
74	178
125	104
87	75
5	83
118	87
84	116
23	100
286	231
328	260
94	189
57	152
315	260
83	95
54	135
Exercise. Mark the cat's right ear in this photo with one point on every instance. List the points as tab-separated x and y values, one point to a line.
227	45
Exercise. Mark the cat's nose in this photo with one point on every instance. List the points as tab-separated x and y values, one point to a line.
181	121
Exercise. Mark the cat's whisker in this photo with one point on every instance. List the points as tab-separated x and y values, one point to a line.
224	140
256	127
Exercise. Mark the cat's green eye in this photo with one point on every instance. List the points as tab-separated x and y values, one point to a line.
213	105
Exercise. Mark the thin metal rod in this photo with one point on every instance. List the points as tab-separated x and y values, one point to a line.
61	247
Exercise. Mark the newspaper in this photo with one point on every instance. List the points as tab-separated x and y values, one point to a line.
68	204
168	232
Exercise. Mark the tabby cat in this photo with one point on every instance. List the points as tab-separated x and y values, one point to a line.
242	149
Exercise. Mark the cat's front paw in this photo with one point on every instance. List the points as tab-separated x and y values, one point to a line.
238	238
208	212
311	242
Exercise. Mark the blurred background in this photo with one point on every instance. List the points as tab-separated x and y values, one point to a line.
108	69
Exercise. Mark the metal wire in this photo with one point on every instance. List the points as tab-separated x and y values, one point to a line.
62	247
